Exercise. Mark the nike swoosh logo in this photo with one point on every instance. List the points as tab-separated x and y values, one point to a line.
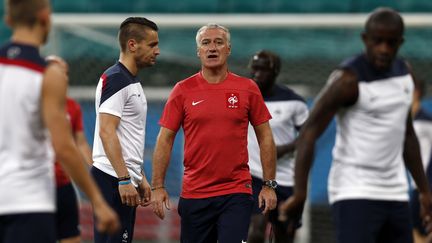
196	103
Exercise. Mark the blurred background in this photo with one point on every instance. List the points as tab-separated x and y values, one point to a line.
311	37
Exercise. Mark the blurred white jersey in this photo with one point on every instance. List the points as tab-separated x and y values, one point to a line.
26	157
119	93
289	111
367	156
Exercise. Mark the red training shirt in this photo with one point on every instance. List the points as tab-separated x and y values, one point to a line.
215	119
74	115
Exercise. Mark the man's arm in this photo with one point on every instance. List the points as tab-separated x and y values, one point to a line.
340	91
267	196
54	116
413	162
84	147
161	159
412	158
283	149
108	133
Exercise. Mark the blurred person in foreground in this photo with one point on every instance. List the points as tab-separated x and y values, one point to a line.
370	94
33	101
121	112
423	127
67	215
289	111
214	108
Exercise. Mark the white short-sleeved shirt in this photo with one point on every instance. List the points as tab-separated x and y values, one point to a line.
367	156
26	156
119	93
289	112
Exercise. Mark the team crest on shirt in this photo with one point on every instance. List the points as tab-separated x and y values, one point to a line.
232	100
125	236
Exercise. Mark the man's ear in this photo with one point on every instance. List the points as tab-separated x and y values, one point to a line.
44	17
132	45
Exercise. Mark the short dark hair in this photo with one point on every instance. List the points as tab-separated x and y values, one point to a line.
386	16
274	60
130	29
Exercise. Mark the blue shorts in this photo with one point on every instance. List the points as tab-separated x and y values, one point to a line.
29	227
222	219
370	221
415	212
67	216
109	188
282	194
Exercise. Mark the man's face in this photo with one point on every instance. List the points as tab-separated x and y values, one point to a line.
262	72
147	49
382	44
213	49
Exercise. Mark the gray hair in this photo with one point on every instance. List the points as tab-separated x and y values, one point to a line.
213	26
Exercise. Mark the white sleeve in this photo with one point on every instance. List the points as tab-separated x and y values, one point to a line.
115	104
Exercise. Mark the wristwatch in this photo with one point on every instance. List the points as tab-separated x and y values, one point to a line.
270	183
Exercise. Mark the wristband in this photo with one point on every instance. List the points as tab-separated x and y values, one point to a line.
124	182
157	187
124	178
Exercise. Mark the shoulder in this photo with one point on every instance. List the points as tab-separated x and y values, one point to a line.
22	55
361	67
243	84
284	93
188	83
114	79
341	88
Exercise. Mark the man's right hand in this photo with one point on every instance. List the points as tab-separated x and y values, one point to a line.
129	195
291	210
160	199
106	219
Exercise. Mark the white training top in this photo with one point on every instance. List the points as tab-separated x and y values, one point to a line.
119	93
367	156
26	156
289	111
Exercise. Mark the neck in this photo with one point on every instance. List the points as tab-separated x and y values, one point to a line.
214	76
28	36
129	63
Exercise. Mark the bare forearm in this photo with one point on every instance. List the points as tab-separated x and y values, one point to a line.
86	153
303	164
161	158
281	150
113	151
413	163
268	158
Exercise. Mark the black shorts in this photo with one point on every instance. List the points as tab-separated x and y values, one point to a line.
109	188
222	219
369	221
67	216
28	227
282	194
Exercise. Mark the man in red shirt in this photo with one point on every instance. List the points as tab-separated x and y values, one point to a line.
67	216
214	108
